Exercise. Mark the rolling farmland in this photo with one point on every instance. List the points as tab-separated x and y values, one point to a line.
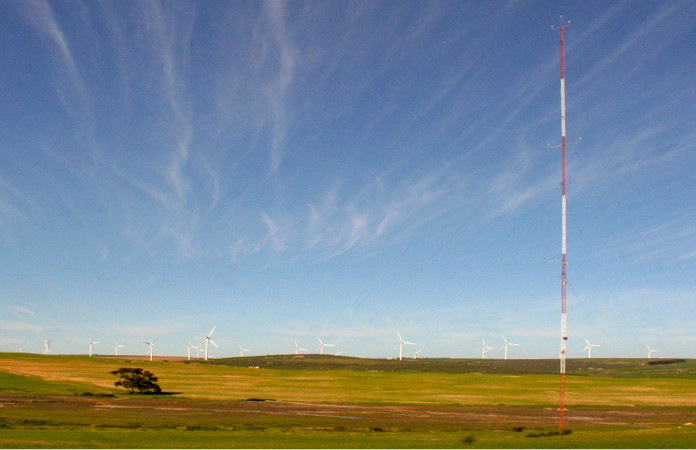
323	401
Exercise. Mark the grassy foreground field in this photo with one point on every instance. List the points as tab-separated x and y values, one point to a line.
320	402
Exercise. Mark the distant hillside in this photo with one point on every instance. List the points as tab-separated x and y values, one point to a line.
593	367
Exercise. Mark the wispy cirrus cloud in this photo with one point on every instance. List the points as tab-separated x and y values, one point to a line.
169	37
626	44
277	89
70	86
19	311
21	326
383	210
40	14
13	205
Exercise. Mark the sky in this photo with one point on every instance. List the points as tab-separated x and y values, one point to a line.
346	170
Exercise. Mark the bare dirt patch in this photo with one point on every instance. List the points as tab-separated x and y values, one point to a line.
447	417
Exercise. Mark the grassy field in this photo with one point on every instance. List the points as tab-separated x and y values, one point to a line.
315	401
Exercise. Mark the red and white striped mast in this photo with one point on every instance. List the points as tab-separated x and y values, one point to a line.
564	281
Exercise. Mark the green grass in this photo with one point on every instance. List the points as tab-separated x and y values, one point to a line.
12	383
64	401
614	367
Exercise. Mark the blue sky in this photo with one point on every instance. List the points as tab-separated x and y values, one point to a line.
346	170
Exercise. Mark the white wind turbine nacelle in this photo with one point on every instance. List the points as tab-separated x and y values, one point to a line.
91	343
322	345
507	343
588	348
208	341
401	345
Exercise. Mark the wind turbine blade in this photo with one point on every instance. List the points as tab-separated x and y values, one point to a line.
211	331
213	342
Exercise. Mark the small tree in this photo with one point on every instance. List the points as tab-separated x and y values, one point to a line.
133	378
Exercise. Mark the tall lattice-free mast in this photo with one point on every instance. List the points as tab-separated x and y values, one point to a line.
564	281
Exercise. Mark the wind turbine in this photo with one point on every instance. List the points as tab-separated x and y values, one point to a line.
401	345
588	347
484	349
208	341
322	345
116	349
298	349
91	343
46	346
650	351
242	350
150	352
416	355
506	346
188	350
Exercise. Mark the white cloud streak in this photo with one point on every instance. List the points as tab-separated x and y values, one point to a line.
20	311
277	90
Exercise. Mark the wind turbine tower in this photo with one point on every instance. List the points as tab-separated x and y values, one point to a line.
91	344
208	341
564	281
116	349
299	349
151	351
588	348
401	345
322	345
651	351
47	346
484	349
507	343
